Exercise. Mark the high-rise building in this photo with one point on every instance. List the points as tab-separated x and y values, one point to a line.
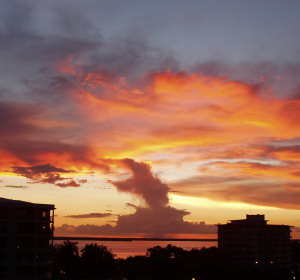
253	241
26	236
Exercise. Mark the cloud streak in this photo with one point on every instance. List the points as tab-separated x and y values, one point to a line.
89	215
15	187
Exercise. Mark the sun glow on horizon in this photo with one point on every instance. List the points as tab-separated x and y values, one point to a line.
202	202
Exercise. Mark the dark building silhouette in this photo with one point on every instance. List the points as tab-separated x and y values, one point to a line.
26	233
253	241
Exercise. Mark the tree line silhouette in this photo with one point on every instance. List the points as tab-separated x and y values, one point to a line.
170	262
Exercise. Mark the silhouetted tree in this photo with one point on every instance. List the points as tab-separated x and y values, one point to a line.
136	267
170	262
169	252
96	261
65	260
167	262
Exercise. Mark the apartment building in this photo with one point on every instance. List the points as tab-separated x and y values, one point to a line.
253	241
26	236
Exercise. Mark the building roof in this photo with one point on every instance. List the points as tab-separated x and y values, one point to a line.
251	220
10	202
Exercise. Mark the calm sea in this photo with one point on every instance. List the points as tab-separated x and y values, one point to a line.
124	249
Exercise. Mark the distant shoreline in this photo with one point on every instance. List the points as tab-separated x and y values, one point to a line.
130	239
136	239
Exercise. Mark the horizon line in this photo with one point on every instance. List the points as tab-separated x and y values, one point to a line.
85	238
131	238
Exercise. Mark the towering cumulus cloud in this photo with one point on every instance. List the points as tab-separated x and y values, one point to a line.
144	183
157	219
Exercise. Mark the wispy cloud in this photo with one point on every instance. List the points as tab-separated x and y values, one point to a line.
16	187
90	215
47	173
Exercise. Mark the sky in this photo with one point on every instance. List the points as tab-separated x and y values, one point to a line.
151	118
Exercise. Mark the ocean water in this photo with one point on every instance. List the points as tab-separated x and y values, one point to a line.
124	249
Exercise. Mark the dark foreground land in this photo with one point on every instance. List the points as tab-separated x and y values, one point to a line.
170	262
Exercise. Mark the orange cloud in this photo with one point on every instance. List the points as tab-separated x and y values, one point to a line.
187	117
259	170
186	109
257	191
66	66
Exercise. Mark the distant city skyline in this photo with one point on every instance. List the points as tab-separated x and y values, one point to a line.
151	119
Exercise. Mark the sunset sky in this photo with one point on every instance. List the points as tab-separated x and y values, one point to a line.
151	118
